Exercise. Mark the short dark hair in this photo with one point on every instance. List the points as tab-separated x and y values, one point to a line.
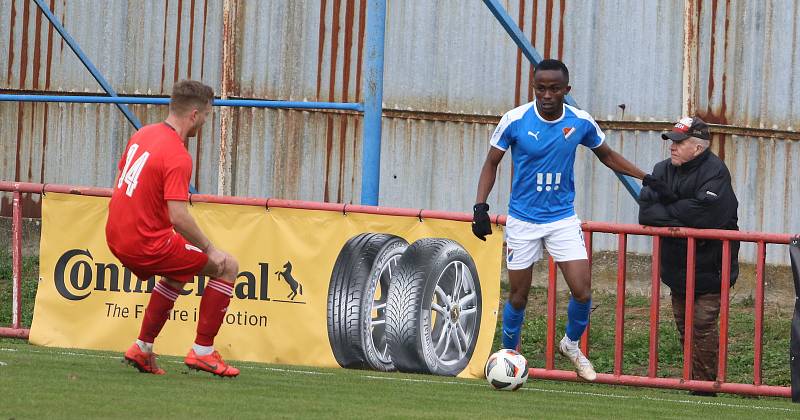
188	95
552	64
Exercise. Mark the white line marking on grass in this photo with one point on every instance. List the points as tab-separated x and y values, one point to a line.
387	378
305	372
65	353
594	394
70	353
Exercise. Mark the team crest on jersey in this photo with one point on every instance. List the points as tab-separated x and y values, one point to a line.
568	131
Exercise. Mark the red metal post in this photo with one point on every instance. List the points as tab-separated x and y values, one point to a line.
759	333
619	329
688	325
585	336
655	306
549	353
15	332
724	306
16	261
673	383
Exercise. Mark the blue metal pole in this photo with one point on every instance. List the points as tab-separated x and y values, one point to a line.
86	62
513	31
534	57
373	102
254	103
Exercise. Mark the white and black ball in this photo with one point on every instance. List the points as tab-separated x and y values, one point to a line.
506	370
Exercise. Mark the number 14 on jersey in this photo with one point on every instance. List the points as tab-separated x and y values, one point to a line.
130	173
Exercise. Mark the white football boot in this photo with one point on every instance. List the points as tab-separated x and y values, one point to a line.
572	351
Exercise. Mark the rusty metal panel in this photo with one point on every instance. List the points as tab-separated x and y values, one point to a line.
765	177
619	52
81	144
298	155
747	63
140	47
317	156
624	52
301	50
436	165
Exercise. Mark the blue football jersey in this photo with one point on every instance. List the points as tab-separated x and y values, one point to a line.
543	152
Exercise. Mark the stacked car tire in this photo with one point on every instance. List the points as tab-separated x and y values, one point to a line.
395	306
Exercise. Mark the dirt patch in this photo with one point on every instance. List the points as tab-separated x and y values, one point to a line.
31	231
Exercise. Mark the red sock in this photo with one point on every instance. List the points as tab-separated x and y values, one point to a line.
162	299
213	306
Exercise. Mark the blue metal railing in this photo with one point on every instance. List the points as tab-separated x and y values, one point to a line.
144	100
86	62
373	102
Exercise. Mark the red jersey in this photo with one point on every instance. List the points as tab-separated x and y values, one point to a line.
155	168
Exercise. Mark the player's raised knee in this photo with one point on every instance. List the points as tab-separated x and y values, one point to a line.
231	269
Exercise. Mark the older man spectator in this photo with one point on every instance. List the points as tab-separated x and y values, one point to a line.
693	189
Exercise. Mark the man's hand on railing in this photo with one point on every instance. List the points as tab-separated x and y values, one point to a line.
665	195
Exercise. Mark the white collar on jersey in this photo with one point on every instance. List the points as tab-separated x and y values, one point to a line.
563	111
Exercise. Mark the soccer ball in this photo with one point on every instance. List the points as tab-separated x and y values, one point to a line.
506	370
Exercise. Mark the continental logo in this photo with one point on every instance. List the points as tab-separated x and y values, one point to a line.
77	275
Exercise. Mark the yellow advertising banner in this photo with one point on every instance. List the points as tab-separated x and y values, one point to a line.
315	288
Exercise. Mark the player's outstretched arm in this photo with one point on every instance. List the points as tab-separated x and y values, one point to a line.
616	162
481	225
488	174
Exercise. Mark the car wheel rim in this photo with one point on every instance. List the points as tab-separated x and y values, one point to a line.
377	324
454	313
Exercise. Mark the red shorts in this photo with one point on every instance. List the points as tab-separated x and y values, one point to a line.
180	261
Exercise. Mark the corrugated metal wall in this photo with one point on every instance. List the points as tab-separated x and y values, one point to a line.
450	72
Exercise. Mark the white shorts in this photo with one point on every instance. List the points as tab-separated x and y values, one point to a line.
563	240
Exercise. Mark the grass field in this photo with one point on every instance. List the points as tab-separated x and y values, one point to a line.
775	357
66	383
58	383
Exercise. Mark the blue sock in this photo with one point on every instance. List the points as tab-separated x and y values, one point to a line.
512	324
577	318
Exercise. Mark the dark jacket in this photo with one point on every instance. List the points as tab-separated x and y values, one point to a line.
705	200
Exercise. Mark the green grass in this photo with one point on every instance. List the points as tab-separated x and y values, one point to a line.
777	324
30	279
58	383
81	383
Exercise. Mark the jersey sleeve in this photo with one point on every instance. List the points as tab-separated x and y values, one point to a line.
177	175
593	136
501	138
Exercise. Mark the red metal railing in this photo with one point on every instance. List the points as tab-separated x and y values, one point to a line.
685	382
549	372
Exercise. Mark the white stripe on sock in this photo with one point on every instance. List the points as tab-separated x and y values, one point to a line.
221	287
166	292
222	284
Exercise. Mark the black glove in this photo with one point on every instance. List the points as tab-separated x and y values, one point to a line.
481	225
665	194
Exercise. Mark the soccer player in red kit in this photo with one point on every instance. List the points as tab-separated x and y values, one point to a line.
150	230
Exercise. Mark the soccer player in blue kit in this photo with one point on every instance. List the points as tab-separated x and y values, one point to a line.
543	136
